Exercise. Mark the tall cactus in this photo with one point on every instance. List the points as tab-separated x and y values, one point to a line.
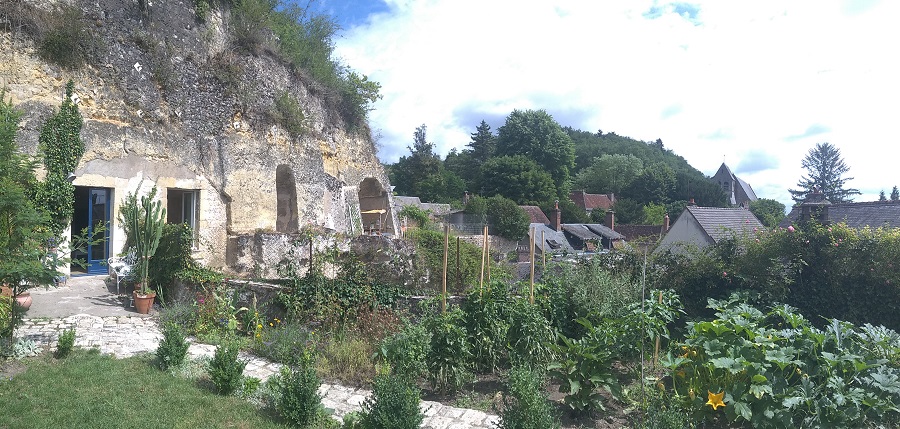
145	225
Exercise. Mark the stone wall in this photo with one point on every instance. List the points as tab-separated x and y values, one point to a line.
168	101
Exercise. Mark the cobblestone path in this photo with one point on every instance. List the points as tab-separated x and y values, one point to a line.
124	336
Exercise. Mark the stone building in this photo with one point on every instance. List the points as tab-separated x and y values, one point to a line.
171	104
739	192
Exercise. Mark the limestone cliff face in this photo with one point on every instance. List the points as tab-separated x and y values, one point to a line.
167	101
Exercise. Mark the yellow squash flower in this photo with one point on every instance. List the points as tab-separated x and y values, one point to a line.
715	399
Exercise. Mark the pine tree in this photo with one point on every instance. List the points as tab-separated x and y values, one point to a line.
881	196
483	143
824	167
895	194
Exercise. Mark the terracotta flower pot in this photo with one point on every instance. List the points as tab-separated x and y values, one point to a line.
142	303
24	300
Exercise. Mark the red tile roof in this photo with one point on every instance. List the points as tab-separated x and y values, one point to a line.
536	215
592	201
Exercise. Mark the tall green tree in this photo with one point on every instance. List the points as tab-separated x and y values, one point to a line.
769	212
895	194
410	171
610	173
483	144
61	145
463	166
442	187
882	196
824	170
655	184
508	219
517	178
536	135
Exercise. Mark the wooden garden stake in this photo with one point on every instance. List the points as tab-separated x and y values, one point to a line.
487	258
446	251
481	276
310	256
531	252
543	252
656	350
458	277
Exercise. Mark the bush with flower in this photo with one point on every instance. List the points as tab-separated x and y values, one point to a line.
775	370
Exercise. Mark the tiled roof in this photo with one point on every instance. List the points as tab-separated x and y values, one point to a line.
605	231
721	222
555	241
592	201
536	214
581	231
635	232
857	215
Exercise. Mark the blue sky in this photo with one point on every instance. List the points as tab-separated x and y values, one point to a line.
754	83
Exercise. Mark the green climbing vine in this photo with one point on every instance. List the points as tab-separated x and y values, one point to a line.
62	147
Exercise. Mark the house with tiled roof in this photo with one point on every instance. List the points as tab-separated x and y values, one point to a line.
536	214
739	192
591	202
699	227
873	214
555	237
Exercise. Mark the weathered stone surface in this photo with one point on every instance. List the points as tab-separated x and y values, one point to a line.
169	101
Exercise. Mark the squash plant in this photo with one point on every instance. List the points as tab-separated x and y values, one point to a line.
773	370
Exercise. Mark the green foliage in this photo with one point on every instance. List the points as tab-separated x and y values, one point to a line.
529	336
67	41
287	112
775	370
173	255
143	224
284	341
450	354
346	357
65	343
430	247
201	9
485	315
654	214
415	214
61	145
525	404
410	171
610	173
583	367
587	289
518	178
508	219
769	212
442	187
298	399
225	369
571	212
628	211
407	351
394	404
173	347
659	410
483	144
535	134
655	184
6	323
824	170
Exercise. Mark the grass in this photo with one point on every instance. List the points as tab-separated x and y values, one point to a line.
90	390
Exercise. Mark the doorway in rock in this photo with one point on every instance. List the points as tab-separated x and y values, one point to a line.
92	210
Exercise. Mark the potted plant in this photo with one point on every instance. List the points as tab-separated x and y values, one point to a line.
144	224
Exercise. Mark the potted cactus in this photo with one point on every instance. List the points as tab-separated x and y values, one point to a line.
144	224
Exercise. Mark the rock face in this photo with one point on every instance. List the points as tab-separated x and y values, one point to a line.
168	102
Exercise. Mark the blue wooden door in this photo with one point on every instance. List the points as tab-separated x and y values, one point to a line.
98	215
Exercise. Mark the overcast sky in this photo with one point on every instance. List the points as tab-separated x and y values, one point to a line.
753	83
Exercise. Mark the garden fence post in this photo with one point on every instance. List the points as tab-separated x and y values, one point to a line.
543	253
459	285
481	276
656	350
531	252
446	251
487	258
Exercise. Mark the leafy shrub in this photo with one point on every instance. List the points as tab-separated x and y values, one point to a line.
407	351
67	41
508	219
418	216
297	391
430	247
485	314
450	355
288	113
774	369
586	289
583	367
660	411
226	369
347	358
394	404
173	255
283	342
173	347
529	336
525	404
65	343
179	313
6	327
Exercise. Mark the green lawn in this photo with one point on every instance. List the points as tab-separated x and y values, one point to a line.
89	390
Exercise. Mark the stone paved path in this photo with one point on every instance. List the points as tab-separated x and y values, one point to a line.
124	336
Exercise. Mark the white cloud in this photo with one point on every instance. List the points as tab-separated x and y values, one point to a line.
734	78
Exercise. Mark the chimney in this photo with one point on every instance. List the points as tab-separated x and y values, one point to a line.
610	220
665	227
557	218
466	198
815	206
691	202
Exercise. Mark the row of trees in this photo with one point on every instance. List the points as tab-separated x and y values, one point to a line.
532	160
